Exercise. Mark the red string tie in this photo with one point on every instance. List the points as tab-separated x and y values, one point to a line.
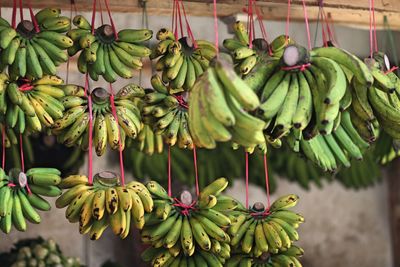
26	87
302	67
185	208
181	101
391	70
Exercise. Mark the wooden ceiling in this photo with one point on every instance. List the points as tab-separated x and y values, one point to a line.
354	12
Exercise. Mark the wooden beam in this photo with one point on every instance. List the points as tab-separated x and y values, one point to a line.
394	208
355	12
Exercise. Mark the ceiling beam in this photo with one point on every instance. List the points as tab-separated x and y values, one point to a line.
355	12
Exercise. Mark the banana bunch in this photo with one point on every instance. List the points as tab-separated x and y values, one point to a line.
185	227
166	257
37	252
386	149
288	258
331	150
106	53
32	105
295	168
149	142
361	174
103	204
73	127
219	103
167	114
257	231
20	196
29	53
331	69
247	59
181	61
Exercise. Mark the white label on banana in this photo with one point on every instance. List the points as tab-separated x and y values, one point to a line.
387	62
22	179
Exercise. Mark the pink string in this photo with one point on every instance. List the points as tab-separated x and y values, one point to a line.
101	13
188	28
302	67
267	182
181	101
169	172
21	148
391	70
111	19
180	19
121	157
247	180
33	18
175	19
14	14
216	27
250	23
185	208
3	141
90	152
287	21
21	13
307	25
371	42
93	15
195	170
373	18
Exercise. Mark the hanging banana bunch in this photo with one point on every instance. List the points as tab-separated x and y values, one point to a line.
30	51
245	58
361	174
167	115
107	53
73	128
257	231
181	61
289	257
32	105
21	196
386	149
332	150
105	203
187	227
219	103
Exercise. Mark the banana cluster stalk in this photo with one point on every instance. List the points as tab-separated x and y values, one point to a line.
104	204
186	228
32	105
167	114
219	105
106	53
181	61
29	53
39	253
288	258
246	58
18	203
73	128
335	149
257	231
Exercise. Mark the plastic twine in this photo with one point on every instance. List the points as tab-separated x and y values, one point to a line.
14	14
188	28
33	18
93	15
307	24
169	172
121	156
216	26
111	19
287	20
3	140
267	182
196	171
247	179
21	12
